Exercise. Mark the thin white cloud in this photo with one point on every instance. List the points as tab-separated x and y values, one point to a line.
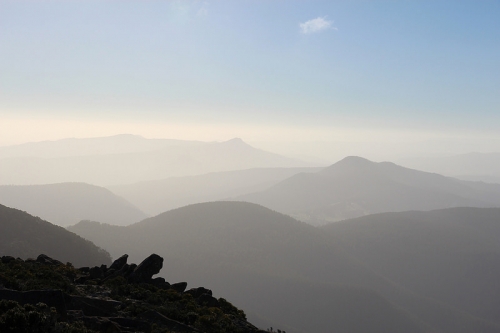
316	25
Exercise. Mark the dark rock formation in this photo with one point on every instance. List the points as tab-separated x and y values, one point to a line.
44	259
197	292
146	269
179	286
119	263
122	298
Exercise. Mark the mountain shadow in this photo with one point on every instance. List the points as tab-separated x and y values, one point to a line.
281	271
356	187
26	236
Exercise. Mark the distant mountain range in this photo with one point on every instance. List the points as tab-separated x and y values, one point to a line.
472	166
307	279
26	236
157	196
355	187
69	203
127	159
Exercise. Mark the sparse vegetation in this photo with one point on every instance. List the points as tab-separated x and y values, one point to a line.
138	303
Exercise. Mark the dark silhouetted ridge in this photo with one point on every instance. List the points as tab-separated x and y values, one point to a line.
23	235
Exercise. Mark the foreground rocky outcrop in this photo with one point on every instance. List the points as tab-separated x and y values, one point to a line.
45	295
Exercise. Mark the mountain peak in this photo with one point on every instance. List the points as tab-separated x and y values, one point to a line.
355	160
236	141
348	164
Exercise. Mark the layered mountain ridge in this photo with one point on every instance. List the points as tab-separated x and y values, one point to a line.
283	271
127	159
355	187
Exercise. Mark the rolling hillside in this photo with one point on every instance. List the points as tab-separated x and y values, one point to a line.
452	255
69	203
355	187
269	263
26	236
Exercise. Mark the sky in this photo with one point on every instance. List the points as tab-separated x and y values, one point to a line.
297	77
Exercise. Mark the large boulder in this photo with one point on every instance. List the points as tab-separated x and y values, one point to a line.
146	269
119	263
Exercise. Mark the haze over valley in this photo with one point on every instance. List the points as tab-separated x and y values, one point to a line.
249	167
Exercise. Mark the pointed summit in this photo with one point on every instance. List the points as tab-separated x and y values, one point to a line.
350	164
236	141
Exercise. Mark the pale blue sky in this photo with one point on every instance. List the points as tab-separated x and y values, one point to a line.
422	65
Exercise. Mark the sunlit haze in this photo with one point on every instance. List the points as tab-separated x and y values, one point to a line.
250	166
315	79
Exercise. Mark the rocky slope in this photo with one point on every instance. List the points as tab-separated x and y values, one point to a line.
45	295
284	272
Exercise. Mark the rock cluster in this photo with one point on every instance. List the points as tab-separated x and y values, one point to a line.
99	312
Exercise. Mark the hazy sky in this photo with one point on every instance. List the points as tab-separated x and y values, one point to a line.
271	70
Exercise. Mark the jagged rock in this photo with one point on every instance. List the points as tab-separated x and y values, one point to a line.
161	283
119	263
109	272
125	272
94	306
45	259
130	270
179	286
146	269
158	280
197	292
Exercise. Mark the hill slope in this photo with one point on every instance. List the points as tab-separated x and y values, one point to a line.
355	187
155	197
69	203
22	235
269	263
128	159
452	255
